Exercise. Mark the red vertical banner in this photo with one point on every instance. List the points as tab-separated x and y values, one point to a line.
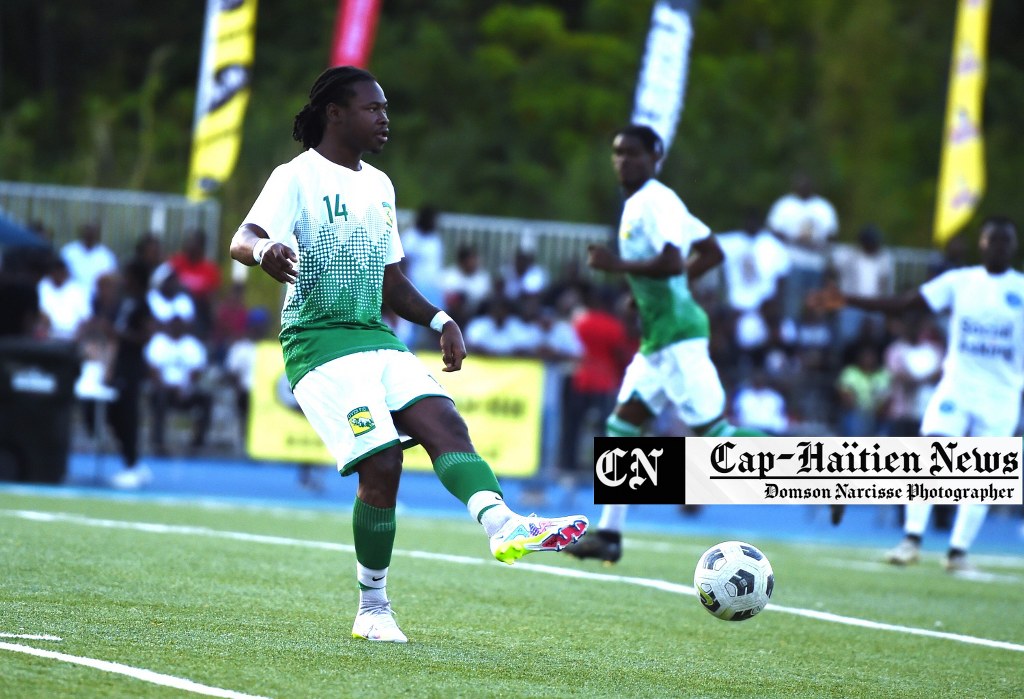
354	30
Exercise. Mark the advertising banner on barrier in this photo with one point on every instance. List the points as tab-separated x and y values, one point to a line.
808	471
499	398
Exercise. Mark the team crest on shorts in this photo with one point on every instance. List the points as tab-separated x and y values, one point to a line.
360	421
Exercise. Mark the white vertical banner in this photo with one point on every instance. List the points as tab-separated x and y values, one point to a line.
662	81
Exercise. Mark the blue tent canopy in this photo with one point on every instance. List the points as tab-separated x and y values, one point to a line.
15	235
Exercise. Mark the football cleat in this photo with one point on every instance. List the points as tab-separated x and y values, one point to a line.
378	624
956	562
904	553
522	535
606	546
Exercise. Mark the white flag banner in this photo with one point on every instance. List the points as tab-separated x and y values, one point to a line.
662	81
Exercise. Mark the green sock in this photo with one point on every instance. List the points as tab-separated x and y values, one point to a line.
464	473
373	532
615	426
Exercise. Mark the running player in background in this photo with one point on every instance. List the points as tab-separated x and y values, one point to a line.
979	394
325	225
662	247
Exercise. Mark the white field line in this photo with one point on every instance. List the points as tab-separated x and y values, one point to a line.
31	637
129	671
663	585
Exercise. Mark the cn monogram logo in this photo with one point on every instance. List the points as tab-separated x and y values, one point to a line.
637	470
608	471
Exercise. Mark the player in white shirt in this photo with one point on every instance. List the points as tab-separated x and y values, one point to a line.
979	394
325	225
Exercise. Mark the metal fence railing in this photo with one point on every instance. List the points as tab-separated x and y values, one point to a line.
123	215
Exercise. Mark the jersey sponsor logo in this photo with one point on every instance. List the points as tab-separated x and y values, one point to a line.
389	215
360	421
1013	300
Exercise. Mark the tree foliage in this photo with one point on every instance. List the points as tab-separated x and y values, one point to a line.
505	108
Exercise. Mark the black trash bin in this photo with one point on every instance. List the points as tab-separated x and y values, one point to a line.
37	396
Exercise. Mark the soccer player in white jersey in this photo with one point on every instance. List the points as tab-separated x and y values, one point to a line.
979	394
662	247
325	225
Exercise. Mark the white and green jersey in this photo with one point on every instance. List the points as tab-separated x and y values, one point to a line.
652	216
341	224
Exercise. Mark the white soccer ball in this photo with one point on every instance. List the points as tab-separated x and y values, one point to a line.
734	580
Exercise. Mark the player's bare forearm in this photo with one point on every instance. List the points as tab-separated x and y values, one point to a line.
405	299
708	255
277	260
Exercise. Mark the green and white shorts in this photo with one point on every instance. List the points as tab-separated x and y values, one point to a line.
349	401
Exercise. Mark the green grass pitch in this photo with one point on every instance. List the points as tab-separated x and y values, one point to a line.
259	601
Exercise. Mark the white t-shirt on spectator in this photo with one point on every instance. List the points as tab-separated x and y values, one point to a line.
67	306
513	336
753	265
176	359
761	408
861	274
163	308
86	266
795	218
476	287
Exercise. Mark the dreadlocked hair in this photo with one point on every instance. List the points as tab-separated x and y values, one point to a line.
334	85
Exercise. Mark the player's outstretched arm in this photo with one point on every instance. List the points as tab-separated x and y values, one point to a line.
251	246
406	300
831	299
667	263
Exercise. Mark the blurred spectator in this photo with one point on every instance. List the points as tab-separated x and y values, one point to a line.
177	361
199	277
590	392
555	342
424	254
523	277
422	264
863	389
806	223
914	362
132	325
755	264
231	319
63	302
148	253
167	299
88	258
864	270
240	364
498	332
758	405
952	256
466	285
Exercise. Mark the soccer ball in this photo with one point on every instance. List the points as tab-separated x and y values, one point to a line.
734	580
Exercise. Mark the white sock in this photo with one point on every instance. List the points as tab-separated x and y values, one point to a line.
966	526
613	518
371	578
916	518
488	508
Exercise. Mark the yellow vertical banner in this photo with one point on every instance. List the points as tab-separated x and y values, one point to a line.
499	398
962	168
225	76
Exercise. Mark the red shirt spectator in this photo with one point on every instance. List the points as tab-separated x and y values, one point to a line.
198	276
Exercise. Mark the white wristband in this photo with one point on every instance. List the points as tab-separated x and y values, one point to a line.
259	248
438	321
